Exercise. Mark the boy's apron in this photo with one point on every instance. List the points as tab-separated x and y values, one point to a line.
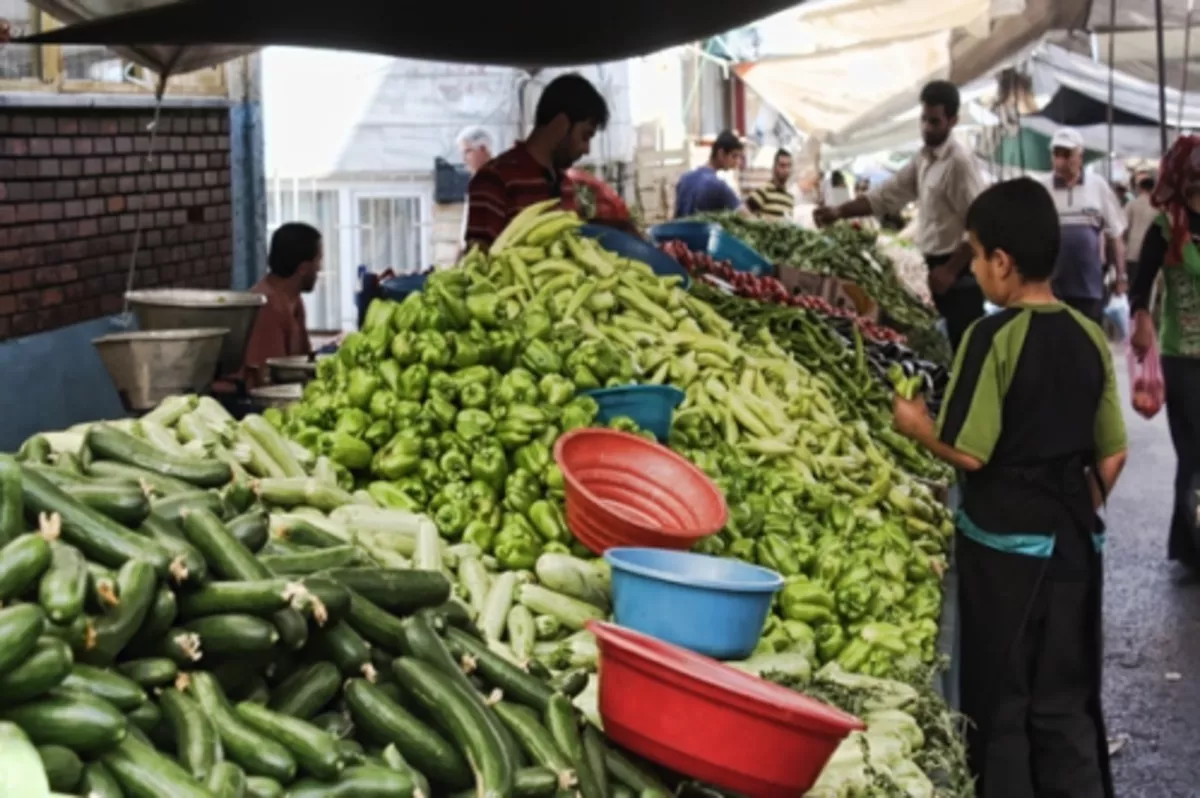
1007	586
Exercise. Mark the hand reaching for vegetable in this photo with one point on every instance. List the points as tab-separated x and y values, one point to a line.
911	418
823	216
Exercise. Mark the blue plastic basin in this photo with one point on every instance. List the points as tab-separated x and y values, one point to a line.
634	248
714	240
400	286
711	605
651	406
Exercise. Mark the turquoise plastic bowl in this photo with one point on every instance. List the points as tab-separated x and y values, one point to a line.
714	606
713	239
651	406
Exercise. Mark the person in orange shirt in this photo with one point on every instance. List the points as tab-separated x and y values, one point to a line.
281	329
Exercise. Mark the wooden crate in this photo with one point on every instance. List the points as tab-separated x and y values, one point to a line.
655	174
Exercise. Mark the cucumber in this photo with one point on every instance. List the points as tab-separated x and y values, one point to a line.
535	740
12	504
535	782
112	470
466	718
64	584
64	768
101	593
394	590
299	531
143	772
233	634
23	773
227	557
197	746
182	647
560	721
250	528
99	782
593	772
20	628
137	584
332	597
44	669
81	722
123	693
352	752
172	508
163	612
97	536
108	443
627	772
310	562
306	692
344	647
259	755
453	613
259	693
35	449
338	724
226	780
315	750
292	627
79	634
149	672
360	781
383	719
516	684
183	555
376	625
147	717
392	757
261	597
125	504
22	562
262	787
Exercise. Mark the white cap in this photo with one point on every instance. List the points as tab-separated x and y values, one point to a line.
1066	138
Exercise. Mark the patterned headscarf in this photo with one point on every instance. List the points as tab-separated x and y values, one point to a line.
1180	168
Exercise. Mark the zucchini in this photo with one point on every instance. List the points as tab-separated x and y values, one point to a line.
344	647
163	612
298	530
314	749
12	504
187	563
20	628
108	443
572	612
571	683
453	613
535	782
137	585
593	773
226	555
41	671
376	625
149	672
473	576
466	718
559	718
331	597
338	724
351	752
494	613
251	528
99	782
22	562
79	634
273	444
383	719
81	722
360	781
536	741
197	746
260	692
35	449
262	787
522	632
392	758
292	628
629	773
178	645
64	584
143	772
233	634
162	485
97	536
310	562
147	717
174	507
516	684
261	597
101	589
64	768
125	504
396	591
258	754
123	693
307	691
22	773
226	780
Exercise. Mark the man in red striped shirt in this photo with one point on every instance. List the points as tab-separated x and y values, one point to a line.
569	113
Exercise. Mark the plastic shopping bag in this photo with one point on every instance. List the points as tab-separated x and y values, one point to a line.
1146	381
1117	312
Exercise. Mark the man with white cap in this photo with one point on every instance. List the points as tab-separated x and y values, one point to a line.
1089	216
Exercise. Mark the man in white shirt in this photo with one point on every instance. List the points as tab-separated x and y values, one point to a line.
476	145
943	180
1089	216
1140	213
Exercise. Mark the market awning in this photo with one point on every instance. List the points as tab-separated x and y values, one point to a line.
540	34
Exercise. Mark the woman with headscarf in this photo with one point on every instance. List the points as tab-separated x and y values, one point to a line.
1171	247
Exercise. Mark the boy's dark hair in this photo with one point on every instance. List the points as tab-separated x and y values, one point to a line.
943	93
727	141
837	180
574	95
1146	183
1019	217
292	244
781	153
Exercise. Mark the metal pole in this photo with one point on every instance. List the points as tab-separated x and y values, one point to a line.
1162	75
1112	81
1187	45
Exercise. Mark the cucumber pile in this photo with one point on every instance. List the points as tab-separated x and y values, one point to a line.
175	625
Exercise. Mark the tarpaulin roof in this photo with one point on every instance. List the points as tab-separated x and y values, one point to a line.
538	33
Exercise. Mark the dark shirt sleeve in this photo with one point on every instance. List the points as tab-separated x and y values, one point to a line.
487	211
1150	262
726	196
972	408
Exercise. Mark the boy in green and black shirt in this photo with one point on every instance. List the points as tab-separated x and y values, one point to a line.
1033	418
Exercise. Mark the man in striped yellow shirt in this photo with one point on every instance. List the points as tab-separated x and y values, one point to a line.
774	201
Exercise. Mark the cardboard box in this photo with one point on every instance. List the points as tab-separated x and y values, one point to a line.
799	281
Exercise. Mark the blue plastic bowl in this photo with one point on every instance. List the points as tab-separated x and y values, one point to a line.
711	605
400	286
695	234
651	406
634	248
714	240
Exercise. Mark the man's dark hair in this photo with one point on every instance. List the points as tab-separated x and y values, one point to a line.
781	153
292	244
1146	183
727	141
837	180
571	94
1019	217
943	93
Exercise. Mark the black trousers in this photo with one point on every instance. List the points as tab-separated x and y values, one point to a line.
1092	308
960	307
1031	667
1182	378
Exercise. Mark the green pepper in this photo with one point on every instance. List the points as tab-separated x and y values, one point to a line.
378	434
352	421
854	600
552	476
854	655
440	411
513	433
386	494
533	457
806	601
451	519
405	413
503	348
487	307
776	553
831	639
520	491
579	412
535	322
556	389
345	450
398	458
414	488
584	379
489	465
430	473
540	358
406	316
467	350
548	521
361	387
403	348
474	396
473	424
383	404
474	375
516	548
454	465
453	307
481	533
413	382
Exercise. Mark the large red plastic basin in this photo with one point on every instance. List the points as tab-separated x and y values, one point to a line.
622	490
711	722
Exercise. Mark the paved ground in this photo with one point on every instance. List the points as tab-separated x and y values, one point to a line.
1152	623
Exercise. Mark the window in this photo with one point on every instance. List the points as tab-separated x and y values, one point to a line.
288	201
19	62
390	234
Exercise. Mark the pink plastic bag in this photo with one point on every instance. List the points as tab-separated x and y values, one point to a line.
1146	381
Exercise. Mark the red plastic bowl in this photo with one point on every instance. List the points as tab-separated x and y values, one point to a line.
622	490
711	722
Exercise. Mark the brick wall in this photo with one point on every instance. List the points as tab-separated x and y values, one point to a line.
72	184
